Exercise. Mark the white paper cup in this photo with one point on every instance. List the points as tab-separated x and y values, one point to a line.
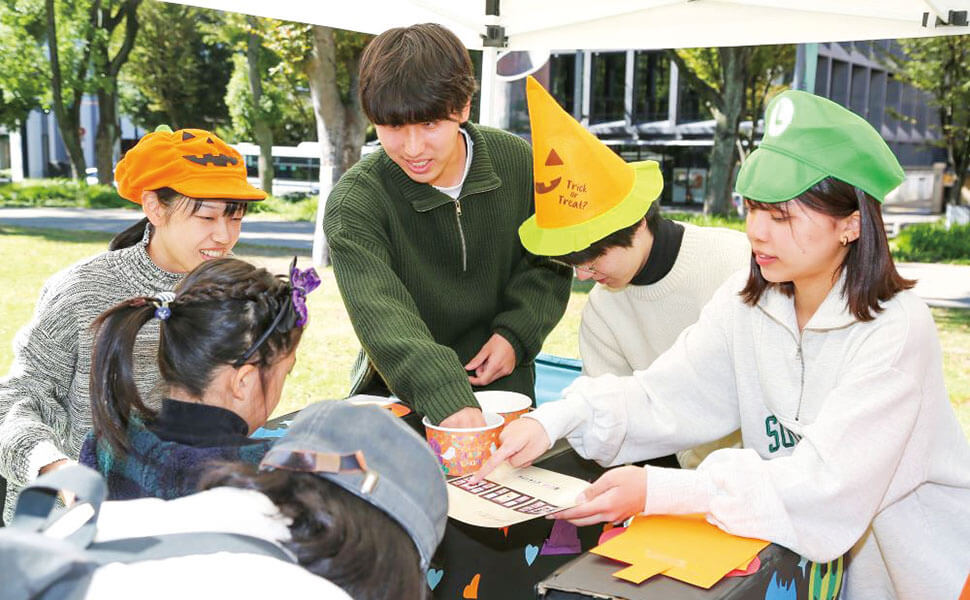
510	405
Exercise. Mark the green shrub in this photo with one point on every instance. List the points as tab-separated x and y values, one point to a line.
706	221
60	192
291	207
933	242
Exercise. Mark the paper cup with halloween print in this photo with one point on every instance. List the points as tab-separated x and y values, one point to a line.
463	451
508	405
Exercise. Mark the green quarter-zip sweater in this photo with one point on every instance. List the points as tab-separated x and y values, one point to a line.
427	279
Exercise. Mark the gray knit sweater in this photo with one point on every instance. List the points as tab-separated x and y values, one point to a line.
44	400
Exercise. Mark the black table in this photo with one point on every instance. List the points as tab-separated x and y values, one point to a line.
505	564
495	564
781	576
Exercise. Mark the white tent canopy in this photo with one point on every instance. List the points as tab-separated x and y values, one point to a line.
643	24
622	24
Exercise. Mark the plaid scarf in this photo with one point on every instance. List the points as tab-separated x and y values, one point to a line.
156	468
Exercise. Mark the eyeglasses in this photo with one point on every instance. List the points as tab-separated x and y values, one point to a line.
590	268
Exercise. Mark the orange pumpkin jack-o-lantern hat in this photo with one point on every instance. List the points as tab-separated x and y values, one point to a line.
583	190
193	162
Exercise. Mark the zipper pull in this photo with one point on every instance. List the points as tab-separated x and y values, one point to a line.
458	207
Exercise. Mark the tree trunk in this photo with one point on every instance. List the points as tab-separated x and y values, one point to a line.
108	133
724	153
261	127
109	127
340	127
68	118
955	193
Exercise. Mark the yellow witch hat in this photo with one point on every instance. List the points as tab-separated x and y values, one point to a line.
583	190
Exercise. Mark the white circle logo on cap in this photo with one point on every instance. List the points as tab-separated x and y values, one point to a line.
781	116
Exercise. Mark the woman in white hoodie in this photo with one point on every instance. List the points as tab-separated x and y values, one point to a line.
826	360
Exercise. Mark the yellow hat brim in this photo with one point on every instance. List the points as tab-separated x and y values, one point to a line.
647	185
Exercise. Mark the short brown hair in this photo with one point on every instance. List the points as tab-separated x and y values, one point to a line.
871	276
415	74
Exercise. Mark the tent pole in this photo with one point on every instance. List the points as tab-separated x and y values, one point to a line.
486	106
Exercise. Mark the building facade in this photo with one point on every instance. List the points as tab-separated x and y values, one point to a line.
637	102
37	150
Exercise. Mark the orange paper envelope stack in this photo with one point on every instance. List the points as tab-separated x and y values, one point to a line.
685	547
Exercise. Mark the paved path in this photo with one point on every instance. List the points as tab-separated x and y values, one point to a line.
256	230
939	285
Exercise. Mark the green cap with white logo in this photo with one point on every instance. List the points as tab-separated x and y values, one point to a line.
808	138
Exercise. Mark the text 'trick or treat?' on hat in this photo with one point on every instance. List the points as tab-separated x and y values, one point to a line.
372	454
808	138
193	162
583	190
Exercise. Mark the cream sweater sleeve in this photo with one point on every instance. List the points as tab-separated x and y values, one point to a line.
686	397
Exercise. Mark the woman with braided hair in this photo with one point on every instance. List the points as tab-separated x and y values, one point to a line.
227	341
192	189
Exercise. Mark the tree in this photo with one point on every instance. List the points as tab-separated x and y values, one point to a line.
22	66
940	66
330	58
68	71
178	71
286	97
732	82
341	122
263	96
769	67
79	37
106	67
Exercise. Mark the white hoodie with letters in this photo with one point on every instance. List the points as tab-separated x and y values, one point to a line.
850	442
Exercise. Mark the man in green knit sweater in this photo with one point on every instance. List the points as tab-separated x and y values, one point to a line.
423	237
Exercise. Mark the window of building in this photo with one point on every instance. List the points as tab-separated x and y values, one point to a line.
822	76
840	82
922	101
893	96
689	105
857	93
562	79
909	107
608	71
877	98
651	87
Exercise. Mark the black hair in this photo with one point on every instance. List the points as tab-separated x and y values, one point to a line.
220	309
621	238
871	275
414	75
172	200
335	534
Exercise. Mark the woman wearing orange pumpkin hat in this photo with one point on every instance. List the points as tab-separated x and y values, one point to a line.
192	187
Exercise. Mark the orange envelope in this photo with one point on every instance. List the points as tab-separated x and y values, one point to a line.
685	547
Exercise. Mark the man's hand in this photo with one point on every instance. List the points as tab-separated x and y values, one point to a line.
618	494
523	440
495	360
465	418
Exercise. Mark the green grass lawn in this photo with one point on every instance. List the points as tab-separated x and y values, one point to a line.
329	346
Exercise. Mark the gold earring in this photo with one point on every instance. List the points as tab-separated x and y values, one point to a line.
844	239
